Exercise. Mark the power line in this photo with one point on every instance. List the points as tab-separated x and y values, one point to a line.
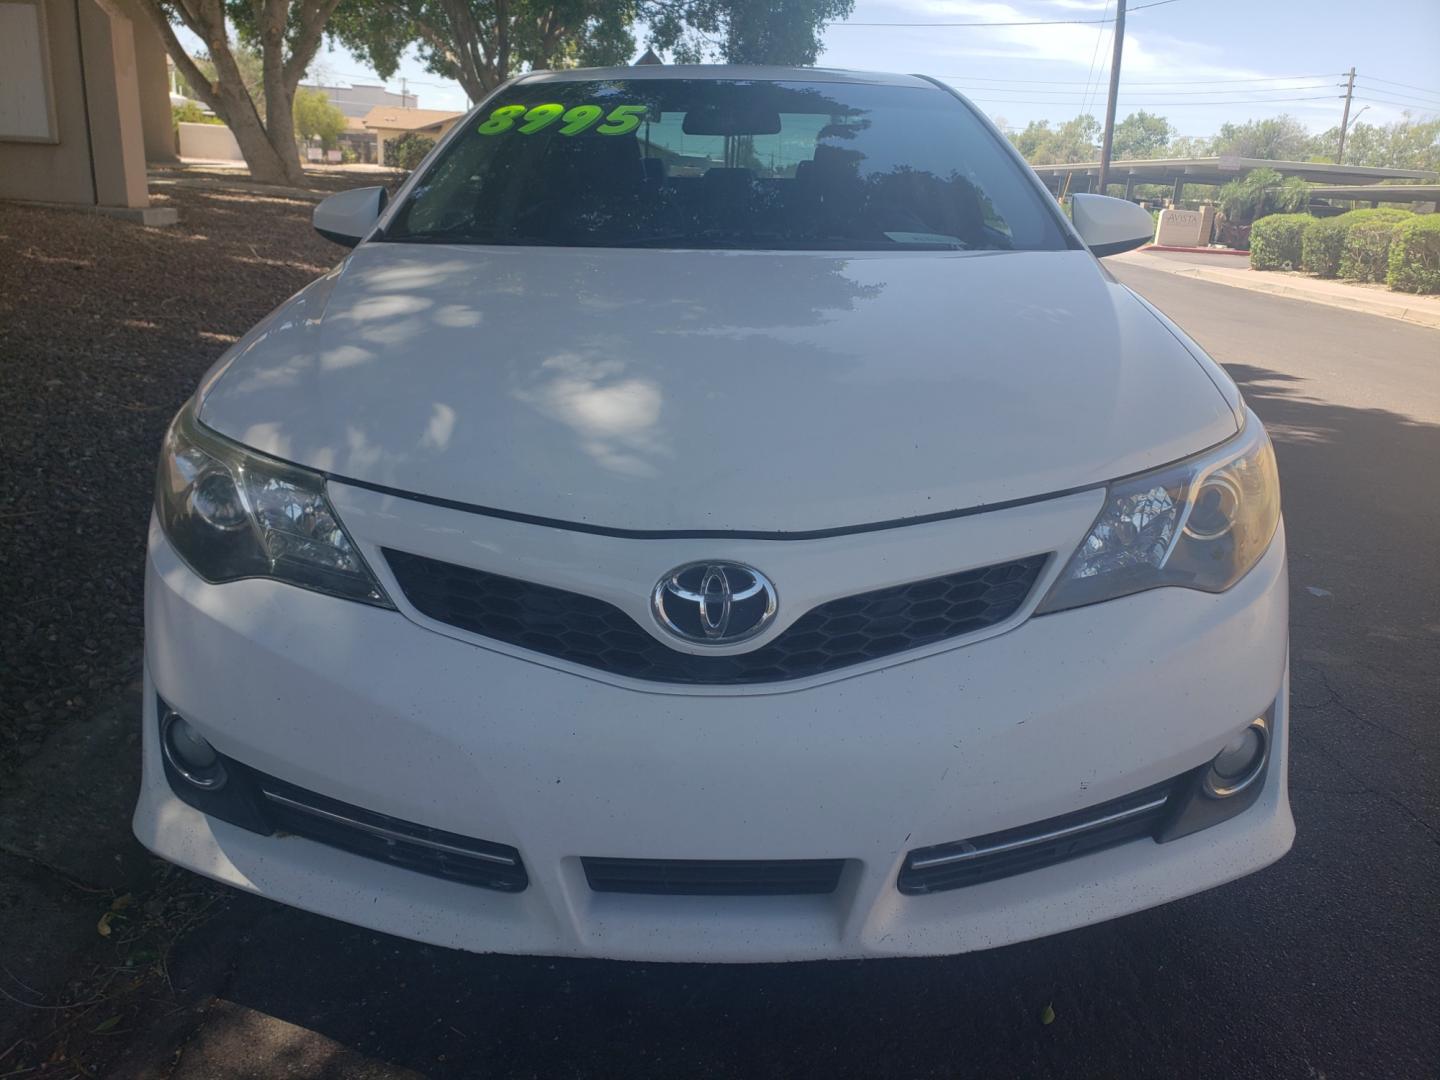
1034	22
1396	93
1408	86
1397	104
1095	55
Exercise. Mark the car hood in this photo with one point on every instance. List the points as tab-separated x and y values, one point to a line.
716	390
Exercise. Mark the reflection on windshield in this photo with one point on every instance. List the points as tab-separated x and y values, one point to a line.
690	163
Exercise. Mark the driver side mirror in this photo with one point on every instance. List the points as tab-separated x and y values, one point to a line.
347	216
1109	226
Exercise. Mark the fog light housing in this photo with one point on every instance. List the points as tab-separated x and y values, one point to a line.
190	754
1240	762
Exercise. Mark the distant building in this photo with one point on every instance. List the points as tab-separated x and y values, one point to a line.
356	101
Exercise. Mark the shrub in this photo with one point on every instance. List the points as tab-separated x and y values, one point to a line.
1415	255
1324	244
1367	250
1275	241
190	113
407	151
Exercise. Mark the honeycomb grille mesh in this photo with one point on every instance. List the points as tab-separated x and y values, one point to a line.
596	634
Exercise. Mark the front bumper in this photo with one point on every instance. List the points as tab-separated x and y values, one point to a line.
1059	713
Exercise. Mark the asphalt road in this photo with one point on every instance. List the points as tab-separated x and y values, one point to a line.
1325	965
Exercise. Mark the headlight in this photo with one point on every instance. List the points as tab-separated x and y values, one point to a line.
232	513
1198	524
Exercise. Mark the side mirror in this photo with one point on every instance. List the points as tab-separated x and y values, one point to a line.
1109	226
347	216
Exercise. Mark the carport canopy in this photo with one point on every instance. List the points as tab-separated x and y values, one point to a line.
1218	170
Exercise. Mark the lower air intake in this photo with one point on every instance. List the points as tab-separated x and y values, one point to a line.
1030	847
435	852
714	877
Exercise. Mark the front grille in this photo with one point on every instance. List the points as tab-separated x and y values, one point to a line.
596	634
1030	847
376	836
714	877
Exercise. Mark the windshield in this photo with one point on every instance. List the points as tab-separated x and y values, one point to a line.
704	163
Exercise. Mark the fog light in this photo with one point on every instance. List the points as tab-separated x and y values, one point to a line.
1239	762
189	754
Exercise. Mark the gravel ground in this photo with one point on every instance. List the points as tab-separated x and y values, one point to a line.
105	328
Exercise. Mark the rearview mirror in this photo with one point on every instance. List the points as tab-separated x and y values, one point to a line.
713	120
347	216
1109	226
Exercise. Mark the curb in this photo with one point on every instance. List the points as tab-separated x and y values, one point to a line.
1427	315
1195	250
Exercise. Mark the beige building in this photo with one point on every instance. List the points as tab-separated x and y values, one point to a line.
388	122
84	102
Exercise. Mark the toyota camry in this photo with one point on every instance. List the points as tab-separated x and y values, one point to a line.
718	513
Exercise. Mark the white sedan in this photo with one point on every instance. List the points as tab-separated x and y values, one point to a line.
718	514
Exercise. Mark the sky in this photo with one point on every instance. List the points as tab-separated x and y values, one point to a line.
1199	63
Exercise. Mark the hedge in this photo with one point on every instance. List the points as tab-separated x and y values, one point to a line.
407	151
1367	250
1415	256
1275	241
1323	245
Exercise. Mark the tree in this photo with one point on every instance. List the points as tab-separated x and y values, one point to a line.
742	31
1279	138
317	117
1261	192
1071	142
1141	135
1405	144
481	43
251	66
286	33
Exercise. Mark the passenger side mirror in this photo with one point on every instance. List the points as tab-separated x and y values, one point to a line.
1109	226
347	216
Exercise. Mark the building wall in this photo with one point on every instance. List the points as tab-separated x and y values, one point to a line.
152	73
213	141
95	155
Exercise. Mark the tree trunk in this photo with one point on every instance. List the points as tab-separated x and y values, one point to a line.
267	146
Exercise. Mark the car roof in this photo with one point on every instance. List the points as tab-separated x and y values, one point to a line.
753	72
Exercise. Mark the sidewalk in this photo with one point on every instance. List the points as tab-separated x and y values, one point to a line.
1370	299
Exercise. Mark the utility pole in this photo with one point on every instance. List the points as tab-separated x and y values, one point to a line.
404	97
1109	137
1345	119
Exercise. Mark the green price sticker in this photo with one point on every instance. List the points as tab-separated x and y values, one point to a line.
622	119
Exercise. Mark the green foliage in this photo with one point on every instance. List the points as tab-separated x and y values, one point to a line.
1141	135
317	117
1366	256
742	31
1261	192
1415	255
1279	138
1275	241
407	151
191	113
1405	144
1324	244
481	43
1073	141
